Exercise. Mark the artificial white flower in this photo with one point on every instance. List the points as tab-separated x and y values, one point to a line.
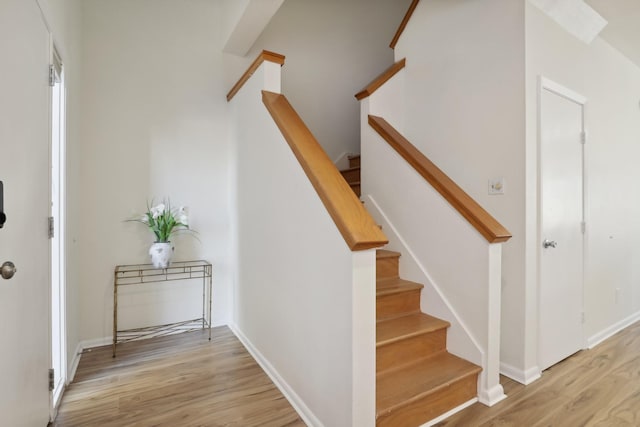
183	215
163	221
157	210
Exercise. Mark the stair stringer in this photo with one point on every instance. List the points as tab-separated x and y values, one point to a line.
460	340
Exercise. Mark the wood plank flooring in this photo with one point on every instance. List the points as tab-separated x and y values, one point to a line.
598	387
184	380
179	380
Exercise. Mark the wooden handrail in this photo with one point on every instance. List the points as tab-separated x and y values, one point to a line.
404	23
381	79
356	225
265	55
481	220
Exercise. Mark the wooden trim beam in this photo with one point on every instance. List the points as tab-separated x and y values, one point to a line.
356	225
404	23
479	218
381	79
265	55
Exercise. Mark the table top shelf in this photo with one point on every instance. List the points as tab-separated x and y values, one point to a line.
146	273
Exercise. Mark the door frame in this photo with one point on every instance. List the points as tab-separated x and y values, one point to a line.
545	84
47	17
59	230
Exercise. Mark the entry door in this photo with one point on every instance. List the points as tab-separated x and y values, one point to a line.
561	223
24	161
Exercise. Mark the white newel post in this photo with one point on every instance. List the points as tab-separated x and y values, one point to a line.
272	76
364	338
490	390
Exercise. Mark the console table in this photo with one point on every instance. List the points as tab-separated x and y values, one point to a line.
137	274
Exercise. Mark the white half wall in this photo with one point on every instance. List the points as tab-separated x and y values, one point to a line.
303	302
465	110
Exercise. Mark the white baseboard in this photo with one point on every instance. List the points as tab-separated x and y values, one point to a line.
525	377
450	413
492	396
74	364
80	348
596	339
298	404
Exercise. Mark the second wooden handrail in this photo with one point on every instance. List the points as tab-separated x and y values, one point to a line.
403	24
356	225
481	220
265	55
381	79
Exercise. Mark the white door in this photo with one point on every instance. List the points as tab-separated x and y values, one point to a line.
24	158
561	223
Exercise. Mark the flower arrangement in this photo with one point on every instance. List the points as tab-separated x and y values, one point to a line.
163	220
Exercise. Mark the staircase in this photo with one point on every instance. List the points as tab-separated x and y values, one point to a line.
417	379
352	175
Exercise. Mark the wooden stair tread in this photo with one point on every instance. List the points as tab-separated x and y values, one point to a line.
395	286
351	169
384	253
354	160
395	329
401	387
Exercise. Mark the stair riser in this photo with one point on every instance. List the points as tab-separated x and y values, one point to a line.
432	405
351	175
356	189
410	350
387	268
354	162
397	304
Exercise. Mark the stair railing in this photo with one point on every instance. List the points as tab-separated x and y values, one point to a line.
480	219
403	24
451	243
356	225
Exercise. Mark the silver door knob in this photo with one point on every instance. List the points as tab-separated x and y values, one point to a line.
7	270
549	244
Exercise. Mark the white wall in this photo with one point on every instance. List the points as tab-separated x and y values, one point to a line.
297	283
154	126
465	111
333	49
611	84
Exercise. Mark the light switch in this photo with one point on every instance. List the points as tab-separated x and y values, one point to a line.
496	186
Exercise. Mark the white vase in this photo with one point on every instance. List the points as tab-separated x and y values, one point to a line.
161	253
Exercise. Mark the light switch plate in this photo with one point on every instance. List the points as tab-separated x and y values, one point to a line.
496	186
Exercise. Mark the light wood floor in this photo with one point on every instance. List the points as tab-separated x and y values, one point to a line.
184	380
598	387
180	380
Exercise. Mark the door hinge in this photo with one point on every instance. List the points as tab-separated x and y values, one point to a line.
583	227
51	228
52	75
583	137
52	377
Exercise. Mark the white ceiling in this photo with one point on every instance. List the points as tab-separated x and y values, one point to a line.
623	30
